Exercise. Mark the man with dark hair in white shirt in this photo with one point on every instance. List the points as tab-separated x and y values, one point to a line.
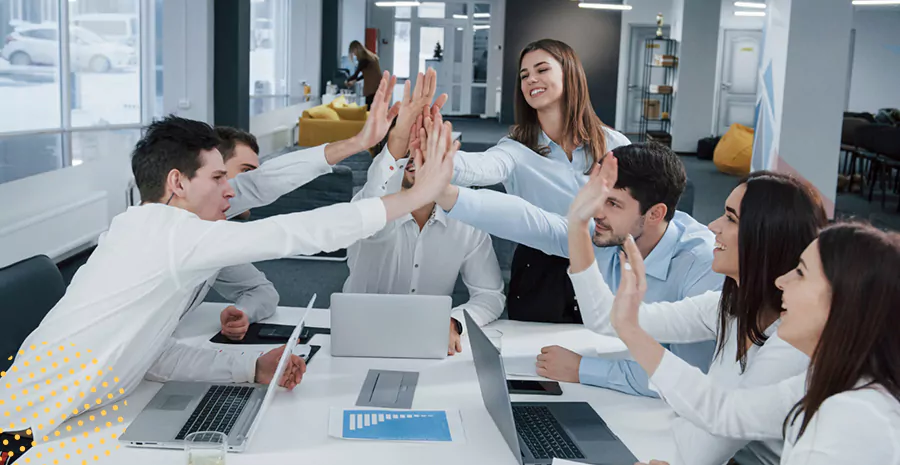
123	306
424	252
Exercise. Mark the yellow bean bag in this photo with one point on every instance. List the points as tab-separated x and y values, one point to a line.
734	151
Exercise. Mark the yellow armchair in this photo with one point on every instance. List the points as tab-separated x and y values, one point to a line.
330	123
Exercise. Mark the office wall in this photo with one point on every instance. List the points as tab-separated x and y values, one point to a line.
353	23
876	60
594	34
697	29
306	46
383	20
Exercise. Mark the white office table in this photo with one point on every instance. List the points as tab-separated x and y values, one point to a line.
295	428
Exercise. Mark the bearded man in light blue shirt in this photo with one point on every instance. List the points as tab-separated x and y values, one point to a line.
678	251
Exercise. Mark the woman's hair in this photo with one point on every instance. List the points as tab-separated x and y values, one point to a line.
582	125
859	341
780	216
361	52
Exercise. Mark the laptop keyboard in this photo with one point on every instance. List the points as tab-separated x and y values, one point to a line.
543	435
219	409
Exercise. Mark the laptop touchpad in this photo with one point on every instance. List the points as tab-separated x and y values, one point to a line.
176	402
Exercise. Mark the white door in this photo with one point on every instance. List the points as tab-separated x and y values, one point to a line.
426	37
740	70
636	69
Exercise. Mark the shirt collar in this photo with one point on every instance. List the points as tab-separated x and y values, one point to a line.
657	263
544	139
438	214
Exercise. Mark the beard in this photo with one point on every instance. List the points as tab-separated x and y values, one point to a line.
407	183
637	230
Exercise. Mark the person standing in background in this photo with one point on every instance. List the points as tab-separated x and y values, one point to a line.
367	68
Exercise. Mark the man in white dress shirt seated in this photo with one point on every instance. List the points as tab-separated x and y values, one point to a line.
117	318
254	296
424	252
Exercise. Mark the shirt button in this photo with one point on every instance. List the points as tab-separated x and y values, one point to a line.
417	265
392	168
413	291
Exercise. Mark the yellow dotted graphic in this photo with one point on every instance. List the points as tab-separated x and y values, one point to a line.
76	381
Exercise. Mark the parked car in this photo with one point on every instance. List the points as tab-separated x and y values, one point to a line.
39	45
114	27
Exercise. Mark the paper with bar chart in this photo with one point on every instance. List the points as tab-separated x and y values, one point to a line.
435	426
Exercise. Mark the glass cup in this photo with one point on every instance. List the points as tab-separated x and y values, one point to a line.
496	338
206	448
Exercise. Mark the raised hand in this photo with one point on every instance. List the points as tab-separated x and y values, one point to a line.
592	197
633	286
381	114
434	165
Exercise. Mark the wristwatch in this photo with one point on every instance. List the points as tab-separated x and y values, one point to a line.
459	327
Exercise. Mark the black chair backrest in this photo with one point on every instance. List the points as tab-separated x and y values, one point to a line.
848	130
880	139
28	290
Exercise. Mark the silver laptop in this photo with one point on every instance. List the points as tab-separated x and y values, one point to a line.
537	432
390	326
181	408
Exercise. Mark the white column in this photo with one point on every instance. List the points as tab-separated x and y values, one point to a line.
695	25
188	58
803	82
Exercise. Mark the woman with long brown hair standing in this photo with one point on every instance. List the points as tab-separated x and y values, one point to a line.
367	68
840	307
556	140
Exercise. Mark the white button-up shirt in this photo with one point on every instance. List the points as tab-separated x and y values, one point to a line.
402	259
116	320
858	426
697	319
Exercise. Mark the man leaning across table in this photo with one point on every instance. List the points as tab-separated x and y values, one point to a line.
114	325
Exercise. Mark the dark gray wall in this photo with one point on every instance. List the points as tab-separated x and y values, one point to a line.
594	34
232	63
330	41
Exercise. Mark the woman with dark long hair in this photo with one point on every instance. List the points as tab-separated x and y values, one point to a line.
556	140
367	68
840	307
769	219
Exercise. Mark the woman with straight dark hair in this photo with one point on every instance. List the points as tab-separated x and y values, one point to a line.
556	140
840	307
769	219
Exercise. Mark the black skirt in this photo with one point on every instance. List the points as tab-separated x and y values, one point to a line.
540	289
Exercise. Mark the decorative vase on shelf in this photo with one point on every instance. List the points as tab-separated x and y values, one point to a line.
659	25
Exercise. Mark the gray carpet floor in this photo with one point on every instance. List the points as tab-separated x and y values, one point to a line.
297	280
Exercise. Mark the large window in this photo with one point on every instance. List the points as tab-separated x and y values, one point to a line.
71	90
269	55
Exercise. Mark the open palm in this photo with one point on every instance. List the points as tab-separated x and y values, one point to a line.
381	113
591	198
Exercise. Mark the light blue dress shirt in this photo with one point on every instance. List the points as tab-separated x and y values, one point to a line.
678	267
549	182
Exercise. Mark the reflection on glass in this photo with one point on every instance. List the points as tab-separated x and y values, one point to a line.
29	59
403	12
457	55
27	155
457	11
479	100
88	146
402	44
268	47
431	10
455	99
158	108
481	42
103	47
431	46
